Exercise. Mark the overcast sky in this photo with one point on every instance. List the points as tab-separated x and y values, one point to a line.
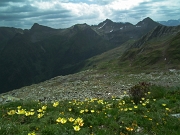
65	13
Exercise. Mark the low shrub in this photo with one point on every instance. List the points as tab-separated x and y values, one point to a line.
139	91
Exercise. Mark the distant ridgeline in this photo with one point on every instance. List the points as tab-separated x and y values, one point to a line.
170	22
40	53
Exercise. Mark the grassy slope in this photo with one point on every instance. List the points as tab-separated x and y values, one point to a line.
107	60
156	54
160	53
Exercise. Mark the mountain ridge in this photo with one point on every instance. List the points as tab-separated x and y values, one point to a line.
170	22
42	52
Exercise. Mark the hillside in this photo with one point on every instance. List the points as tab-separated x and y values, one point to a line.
157	50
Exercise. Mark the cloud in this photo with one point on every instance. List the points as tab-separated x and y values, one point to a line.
65	13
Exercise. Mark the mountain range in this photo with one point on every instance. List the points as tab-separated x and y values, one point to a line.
40	53
170	22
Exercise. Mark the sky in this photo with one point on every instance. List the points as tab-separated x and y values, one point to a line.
66	13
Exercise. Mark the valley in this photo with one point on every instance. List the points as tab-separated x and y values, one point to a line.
111	77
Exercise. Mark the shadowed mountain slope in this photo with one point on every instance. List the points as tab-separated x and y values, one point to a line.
26	59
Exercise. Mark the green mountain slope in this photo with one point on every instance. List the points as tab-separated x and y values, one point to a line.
157	50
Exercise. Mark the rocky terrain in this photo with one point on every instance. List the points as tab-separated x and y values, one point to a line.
89	84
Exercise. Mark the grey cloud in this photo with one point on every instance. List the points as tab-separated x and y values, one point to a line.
14	1
17	9
143	10
25	15
54	15
38	14
103	2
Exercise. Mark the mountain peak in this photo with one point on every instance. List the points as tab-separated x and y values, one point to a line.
108	20
147	21
38	27
35	26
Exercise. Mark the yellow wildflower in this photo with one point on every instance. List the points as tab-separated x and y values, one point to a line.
125	109
135	106
70	109
44	107
78	121
63	120
33	133
32	113
81	111
150	119
29	113
32	110
149	92
71	119
76	128
55	104
58	119
147	101
40	115
22	111
163	104
81	124
92	111
11	112
86	110
144	104
19	107
143	98
40	110
100	102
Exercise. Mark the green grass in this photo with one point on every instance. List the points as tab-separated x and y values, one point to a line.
151	115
